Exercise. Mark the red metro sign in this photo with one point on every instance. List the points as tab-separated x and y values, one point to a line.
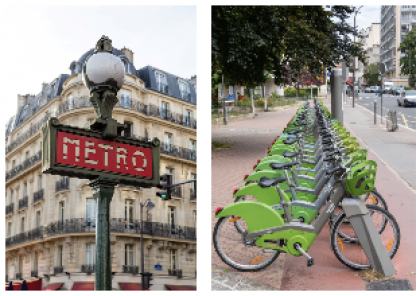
85	154
103	155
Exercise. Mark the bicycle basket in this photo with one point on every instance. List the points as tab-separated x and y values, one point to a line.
360	154
348	141
352	147
361	178
343	135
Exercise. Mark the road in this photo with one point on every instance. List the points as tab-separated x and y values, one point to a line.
405	116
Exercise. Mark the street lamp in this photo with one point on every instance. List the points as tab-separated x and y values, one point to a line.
354	58
149	204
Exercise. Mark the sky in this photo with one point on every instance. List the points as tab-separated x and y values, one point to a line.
38	43
366	16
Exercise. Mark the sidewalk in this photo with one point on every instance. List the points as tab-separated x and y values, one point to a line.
249	140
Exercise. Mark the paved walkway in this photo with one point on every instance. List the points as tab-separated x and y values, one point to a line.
249	140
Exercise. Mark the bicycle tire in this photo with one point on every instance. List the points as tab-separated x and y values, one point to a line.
337	244
233	262
380	201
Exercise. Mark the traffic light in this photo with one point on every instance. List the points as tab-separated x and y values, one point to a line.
167	181
146	278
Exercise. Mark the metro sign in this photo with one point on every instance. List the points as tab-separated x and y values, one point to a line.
82	153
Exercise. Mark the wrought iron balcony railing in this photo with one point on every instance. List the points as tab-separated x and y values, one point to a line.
25	165
18	276
175	272
34	273
130	269
23	203
176	191
39	195
176	151
83	102
62	185
9	208
58	269
193	194
119	225
89	268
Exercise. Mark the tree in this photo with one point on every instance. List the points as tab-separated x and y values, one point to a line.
409	47
372	74
248	41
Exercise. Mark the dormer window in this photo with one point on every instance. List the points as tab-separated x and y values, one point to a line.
161	83
184	89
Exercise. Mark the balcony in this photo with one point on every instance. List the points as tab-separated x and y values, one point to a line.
175	272
23	203
176	191
62	185
176	151
58	269
118	225
9	209
38	196
25	165
193	194
34	273
130	269
90	268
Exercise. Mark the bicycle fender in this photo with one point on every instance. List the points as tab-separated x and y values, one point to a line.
268	196
258	175
257	216
266	165
272	158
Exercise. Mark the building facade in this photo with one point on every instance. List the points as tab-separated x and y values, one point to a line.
396	22
371	44
50	220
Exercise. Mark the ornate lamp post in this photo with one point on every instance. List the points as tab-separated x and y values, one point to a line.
354	58
144	276
103	75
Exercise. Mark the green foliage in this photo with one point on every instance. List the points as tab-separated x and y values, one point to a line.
249	41
289	91
409	47
371	76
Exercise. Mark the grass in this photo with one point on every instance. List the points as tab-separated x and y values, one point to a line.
371	275
220	145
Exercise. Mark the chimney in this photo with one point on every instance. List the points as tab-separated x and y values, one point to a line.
44	88
128	53
22	101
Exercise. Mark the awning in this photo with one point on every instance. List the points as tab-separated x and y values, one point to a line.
181	288
53	287
83	286
130	286
34	285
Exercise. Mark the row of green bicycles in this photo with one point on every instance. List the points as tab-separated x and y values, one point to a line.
296	190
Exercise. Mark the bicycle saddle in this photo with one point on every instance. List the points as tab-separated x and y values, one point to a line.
290	154
295	131
290	141
283	166
266	182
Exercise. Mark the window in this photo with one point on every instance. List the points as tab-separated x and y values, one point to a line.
129	214
21	265
125	98
188	117
91	208
129	255
13	163
39	182
127	132
36	262
61	211
9	229
413	16
25	189
172	218
38	219
165	110
26	155
90	254
167	143
11	197
192	148
70	102
161	83
22	225
60	256
195	218
183	88
173	262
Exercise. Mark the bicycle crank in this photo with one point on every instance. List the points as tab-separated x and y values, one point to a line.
310	259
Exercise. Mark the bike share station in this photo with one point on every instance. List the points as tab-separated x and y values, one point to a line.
100	154
280	213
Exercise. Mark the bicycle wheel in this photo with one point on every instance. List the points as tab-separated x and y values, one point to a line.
376	199
235	251
348	249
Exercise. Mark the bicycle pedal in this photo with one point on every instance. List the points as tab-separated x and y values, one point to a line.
310	262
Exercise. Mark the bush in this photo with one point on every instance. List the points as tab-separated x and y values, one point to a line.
302	92
290	91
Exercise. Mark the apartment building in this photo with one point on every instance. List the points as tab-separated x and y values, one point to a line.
371	44
396	22
50	220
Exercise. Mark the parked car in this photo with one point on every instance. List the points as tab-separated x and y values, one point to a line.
408	99
367	90
399	90
387	89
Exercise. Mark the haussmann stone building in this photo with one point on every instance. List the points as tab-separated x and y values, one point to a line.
50	220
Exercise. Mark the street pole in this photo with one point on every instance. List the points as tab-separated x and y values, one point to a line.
224	103
103	190
354	58
336	94
409	68
141	247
